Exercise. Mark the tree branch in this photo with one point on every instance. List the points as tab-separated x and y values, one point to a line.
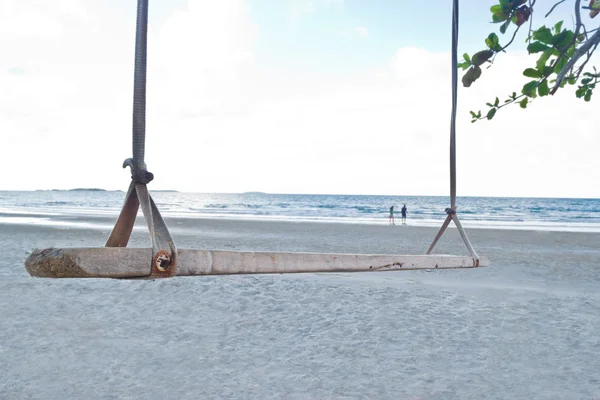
580	52
577	24
531	4
589	56
553	7
512	39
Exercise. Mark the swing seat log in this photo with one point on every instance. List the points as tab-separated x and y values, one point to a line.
123	262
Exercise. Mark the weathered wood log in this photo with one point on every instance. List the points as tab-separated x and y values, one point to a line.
123	262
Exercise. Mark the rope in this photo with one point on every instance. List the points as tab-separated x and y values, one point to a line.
138	166
454	103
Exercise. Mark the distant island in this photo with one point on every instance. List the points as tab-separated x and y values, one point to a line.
72	190
97	190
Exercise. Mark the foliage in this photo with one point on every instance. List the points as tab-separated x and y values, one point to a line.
562	54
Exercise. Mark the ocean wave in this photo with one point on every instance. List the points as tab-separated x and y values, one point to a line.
327	206
344	208
216	206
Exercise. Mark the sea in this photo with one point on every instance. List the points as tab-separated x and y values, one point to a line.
550	214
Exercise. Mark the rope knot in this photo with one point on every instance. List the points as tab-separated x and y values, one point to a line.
138	175
450	211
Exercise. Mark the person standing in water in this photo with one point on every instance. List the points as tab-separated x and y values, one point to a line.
392	222
404	215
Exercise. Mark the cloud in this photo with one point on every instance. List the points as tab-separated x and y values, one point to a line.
220	121
362	31
204	58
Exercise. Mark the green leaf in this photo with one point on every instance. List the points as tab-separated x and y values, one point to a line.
463	65
471	76
504	26
562	39
473	115
560	64
499	17
529	89
476	72
496	102
585	81
580	92
496	8
547	71
523	103
588	95
541	62
481	57
491	113
543	89
532	73
499	13
467	57
536	47
558	26
493	42
544	35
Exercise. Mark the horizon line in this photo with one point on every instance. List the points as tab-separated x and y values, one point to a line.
306	194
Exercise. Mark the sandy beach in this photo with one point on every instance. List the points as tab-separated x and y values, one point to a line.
525	327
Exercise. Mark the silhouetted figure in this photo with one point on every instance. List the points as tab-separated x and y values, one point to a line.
392	222
404	215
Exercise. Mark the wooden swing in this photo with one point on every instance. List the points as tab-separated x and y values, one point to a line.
115	260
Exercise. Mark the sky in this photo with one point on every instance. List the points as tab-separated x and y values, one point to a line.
279	96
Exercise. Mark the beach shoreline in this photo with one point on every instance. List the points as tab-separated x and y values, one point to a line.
102	208
103	219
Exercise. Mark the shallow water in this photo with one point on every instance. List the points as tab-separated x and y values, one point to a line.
46	208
